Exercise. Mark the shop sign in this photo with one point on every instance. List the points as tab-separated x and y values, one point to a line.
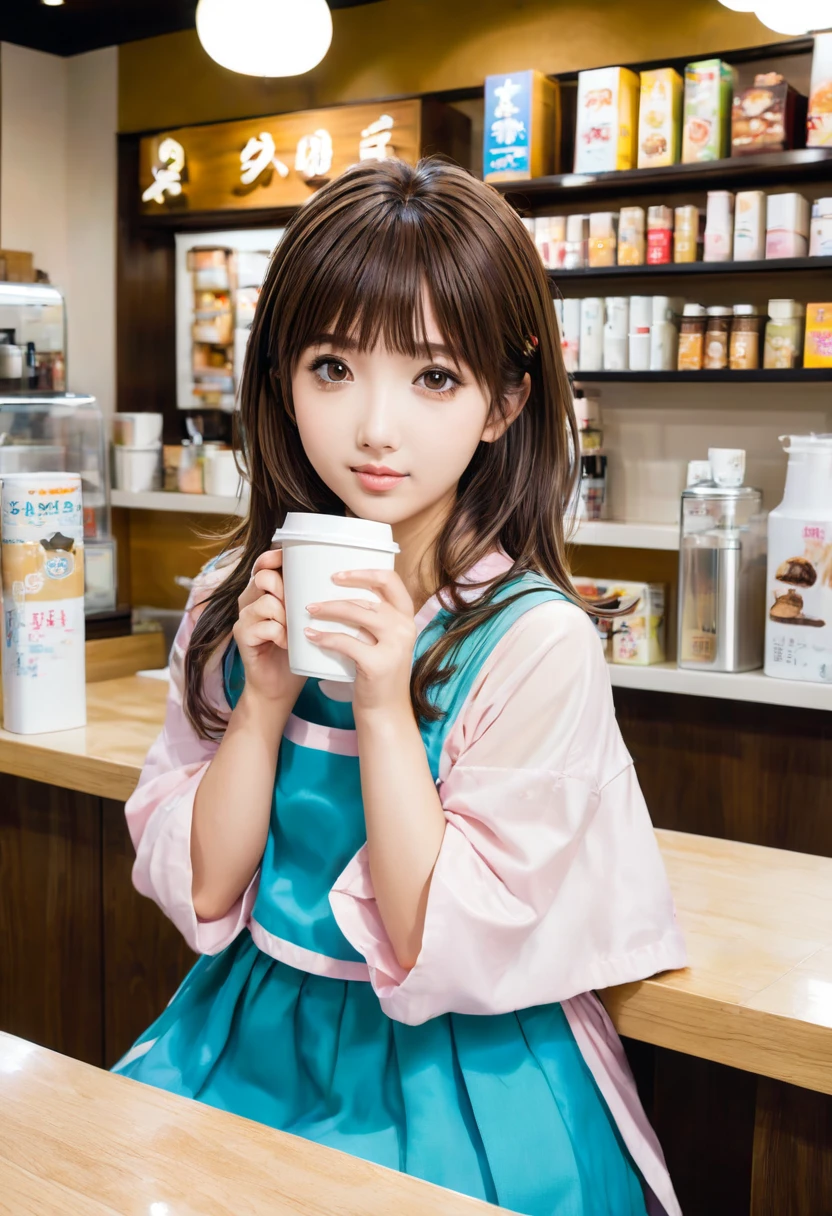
272	162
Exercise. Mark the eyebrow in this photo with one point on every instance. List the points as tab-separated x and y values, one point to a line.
428	352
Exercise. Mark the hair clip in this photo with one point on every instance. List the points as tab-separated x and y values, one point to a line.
530	347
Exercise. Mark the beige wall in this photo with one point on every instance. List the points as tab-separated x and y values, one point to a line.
58	192
401	47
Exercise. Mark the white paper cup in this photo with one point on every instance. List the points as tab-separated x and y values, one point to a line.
727	466
314	548
221	475
138	469
137	430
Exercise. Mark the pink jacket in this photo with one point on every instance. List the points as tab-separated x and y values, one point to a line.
549	882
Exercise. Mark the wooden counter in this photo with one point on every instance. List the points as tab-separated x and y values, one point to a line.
81	1141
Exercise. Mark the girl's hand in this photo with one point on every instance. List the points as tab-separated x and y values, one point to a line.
384	656
260	633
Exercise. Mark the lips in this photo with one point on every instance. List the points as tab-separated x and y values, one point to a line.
378	477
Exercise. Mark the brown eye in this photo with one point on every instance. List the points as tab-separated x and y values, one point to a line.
436	380
337	371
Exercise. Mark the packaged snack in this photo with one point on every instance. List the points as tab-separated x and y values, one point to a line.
819	123
709	94
659	235
605	133
637	639
817	351
768	117
660	118
603	227
631	240
522	126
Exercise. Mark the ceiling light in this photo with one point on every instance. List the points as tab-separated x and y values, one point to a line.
52	3
796	17
265	37
739	6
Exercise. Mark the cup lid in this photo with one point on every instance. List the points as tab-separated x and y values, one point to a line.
694	310
314	529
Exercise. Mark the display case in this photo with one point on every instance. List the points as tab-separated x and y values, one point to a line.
45	432
32	338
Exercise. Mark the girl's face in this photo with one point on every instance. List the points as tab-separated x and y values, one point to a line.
391	435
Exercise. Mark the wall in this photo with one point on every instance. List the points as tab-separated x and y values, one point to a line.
58	192
401	47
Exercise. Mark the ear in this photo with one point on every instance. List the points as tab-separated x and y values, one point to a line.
513	404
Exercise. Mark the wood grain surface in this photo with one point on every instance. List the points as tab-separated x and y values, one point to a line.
82	1141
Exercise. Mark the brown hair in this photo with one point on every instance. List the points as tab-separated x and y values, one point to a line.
354	261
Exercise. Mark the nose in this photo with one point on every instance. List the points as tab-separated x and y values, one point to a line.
378	429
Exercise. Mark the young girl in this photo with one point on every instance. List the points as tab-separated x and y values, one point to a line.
405	890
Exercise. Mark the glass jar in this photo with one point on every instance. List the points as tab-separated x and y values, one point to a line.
717	338
692	338
784	335
744	351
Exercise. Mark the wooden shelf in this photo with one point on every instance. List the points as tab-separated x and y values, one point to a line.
797	375
766	169
616	535
683	269
196	504
741	686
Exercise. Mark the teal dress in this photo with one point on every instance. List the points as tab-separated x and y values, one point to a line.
500	1107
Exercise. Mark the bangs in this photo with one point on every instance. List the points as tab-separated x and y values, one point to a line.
365	279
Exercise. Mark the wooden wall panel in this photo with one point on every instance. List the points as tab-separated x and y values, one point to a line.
50	917
792	1173
145	957
756	773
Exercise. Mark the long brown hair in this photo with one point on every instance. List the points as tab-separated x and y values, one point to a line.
354	261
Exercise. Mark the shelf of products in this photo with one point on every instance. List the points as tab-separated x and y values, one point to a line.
765	169
196	504
800	375
743	686
772	266
616	535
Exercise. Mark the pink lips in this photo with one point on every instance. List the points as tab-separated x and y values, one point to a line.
378	477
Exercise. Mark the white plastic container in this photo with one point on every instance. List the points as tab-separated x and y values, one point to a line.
220	474
616	332
314	548
664	333
137	470
42	530
641	316
799	592
591	355
571	334
137	430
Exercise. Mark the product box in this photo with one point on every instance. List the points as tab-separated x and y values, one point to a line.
819	122
550	238
817	351
820	237
768	117
637	639
709	95
798	642
606	130
522	127
787	226
16	266
750	226
660	118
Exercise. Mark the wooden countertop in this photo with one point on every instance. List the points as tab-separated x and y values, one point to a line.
758	992
79	1140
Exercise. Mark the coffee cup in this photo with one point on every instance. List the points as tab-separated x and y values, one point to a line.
727	466
315	547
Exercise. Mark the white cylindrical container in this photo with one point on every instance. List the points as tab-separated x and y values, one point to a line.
137	430
314	548
220	474
577	240
719	226
616	333
571	334
641	316
137	470
591	356
42	559
799	596
664	334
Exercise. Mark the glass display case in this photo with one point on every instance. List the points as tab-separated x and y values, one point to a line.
32	338
45	432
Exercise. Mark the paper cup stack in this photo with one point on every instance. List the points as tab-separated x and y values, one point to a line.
137	452
42	559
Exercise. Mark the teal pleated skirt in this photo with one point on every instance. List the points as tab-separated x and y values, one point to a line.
502	1108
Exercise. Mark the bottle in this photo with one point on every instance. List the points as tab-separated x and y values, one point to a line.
692	338
799	598
641	315
717	338
659	235
686	234
616	331
784	335
664	335
591	357
719	226
744	349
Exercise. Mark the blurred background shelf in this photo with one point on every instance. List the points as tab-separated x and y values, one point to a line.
617	535
795	375
743	686
196	504
672	269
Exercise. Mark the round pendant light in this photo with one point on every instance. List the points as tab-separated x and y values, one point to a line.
265	37
796	17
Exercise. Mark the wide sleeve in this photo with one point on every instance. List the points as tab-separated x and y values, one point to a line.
549	882
160	811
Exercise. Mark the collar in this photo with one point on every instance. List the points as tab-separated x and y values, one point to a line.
490	567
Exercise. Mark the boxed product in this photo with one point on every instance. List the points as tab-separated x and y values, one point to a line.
605	132
787	226
550	238
660	118
750	226
709	95
16	266
637	639
768	117
820	239
817	351
522	126
819	123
